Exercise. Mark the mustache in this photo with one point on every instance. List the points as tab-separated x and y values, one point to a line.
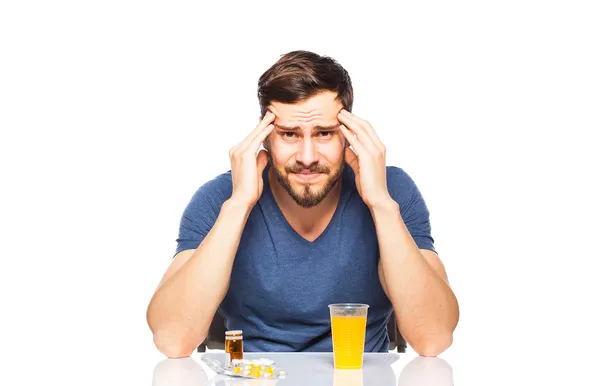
314	168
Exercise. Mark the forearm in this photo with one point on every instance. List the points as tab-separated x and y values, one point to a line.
182	309
424	303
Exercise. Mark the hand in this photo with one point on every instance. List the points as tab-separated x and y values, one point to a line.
247	167
367	160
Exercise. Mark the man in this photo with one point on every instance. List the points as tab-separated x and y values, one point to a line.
314	218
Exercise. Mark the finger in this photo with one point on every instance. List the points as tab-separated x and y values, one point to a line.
368	128
266	121
358	147
261	161
360	132
351	159
259	139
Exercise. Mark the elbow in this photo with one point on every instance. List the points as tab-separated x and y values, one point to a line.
174	344
170	340
432	347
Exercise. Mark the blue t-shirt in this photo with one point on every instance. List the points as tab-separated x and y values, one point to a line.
282	284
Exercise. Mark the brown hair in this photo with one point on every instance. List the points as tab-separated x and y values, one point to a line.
299	75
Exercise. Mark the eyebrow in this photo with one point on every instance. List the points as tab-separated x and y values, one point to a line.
316	128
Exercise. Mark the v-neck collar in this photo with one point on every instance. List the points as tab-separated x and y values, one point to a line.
272	203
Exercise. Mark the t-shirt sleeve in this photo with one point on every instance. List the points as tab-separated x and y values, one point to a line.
202	211
413	208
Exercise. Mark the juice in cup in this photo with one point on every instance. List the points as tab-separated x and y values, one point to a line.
348	327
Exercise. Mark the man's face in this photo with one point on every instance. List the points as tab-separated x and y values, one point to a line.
306	148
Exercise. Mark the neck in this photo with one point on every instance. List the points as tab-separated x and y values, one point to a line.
306	220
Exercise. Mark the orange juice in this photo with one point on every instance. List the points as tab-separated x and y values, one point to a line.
348	334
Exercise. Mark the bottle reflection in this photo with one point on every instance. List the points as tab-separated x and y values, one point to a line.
347	377
430	371
179	372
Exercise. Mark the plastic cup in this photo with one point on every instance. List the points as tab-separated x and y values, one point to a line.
348	328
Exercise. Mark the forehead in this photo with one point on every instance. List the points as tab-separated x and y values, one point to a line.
317	110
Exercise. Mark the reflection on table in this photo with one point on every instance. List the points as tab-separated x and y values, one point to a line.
426	371
310	368
179	372
317	369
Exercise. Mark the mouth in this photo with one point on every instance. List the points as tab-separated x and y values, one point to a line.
307	175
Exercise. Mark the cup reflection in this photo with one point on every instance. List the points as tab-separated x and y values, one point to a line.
347	377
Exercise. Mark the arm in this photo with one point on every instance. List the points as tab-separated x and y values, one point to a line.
189	294
416	284
414	281
185	302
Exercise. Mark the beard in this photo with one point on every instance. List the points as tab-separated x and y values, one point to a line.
308	195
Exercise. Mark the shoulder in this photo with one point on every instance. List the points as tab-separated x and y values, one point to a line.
214	192
413	208
400	184
202	210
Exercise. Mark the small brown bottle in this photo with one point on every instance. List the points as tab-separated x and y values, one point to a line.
234	344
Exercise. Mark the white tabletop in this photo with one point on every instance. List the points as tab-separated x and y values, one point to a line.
311	369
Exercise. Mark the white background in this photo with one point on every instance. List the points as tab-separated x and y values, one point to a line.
113	113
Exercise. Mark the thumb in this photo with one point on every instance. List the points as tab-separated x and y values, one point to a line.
261	161
351	159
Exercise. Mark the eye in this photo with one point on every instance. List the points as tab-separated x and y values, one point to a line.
325	134
288	135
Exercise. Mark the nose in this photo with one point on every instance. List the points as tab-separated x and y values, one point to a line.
308	155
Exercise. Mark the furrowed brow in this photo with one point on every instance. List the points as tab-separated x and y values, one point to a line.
316	128
287	128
